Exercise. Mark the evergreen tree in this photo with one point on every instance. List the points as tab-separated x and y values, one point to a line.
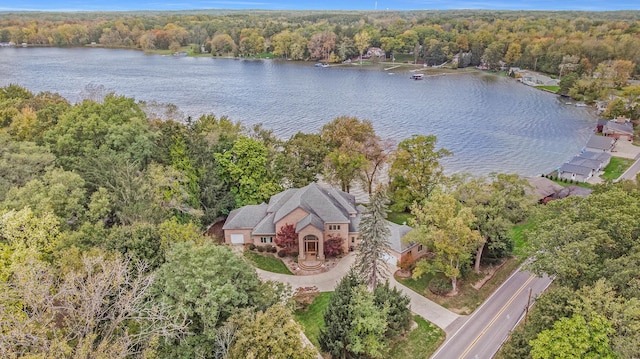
398	309
338	318
374	245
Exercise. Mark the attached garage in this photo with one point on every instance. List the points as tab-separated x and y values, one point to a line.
391	259
237	238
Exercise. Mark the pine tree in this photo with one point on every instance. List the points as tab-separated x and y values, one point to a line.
370	264
399	311
338	318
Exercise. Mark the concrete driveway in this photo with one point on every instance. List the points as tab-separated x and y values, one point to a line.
327	281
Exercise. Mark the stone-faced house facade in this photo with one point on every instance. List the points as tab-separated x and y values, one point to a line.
316	213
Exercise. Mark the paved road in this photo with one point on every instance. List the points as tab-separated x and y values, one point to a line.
630	173
483	333
327	281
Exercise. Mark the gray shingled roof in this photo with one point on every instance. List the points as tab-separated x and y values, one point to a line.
246	217
586	162
311	219
599	156
324	205
542	187
312	199
579	170
397	231
613	125
600	142
266	226
574	191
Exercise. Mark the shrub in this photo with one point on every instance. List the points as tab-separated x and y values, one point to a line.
274	249
294	254
406	263
333	246
440	286
260	249
252	247
282	253
267	248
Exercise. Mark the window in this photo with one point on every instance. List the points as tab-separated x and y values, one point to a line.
266	239
420	248
353	239
334	227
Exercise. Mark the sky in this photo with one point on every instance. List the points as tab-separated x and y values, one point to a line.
126	5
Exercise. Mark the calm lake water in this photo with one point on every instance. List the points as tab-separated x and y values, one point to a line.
491	123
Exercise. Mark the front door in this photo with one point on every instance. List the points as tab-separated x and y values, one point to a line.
312	248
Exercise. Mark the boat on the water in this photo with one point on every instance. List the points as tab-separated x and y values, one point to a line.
417	76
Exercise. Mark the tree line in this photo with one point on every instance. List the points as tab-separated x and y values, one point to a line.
535	40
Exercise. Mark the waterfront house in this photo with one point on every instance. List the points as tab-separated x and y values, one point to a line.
620	129
594	164
575	172
543	189
603	157
317	213
600	143
375	52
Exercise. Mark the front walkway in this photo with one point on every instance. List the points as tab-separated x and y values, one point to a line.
327	281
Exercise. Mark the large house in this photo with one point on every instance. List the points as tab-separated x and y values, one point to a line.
619	128
600	143
584	166
317	213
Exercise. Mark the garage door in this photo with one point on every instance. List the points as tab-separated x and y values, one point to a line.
391	259
237	239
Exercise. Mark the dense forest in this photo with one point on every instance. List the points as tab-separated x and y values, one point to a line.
103	205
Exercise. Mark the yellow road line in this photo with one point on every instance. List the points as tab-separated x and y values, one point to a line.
482	333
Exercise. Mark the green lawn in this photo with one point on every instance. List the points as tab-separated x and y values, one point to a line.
399	217
616	168
468	298
267	262
312	319
518	240
419	343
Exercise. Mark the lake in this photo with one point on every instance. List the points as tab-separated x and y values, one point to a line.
490	123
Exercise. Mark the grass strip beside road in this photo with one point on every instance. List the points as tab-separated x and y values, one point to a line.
616	168
468	298
421	342
267	262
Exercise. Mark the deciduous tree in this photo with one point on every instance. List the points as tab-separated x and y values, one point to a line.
244	169
415	170
444	225
281	340
207	284
287	238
